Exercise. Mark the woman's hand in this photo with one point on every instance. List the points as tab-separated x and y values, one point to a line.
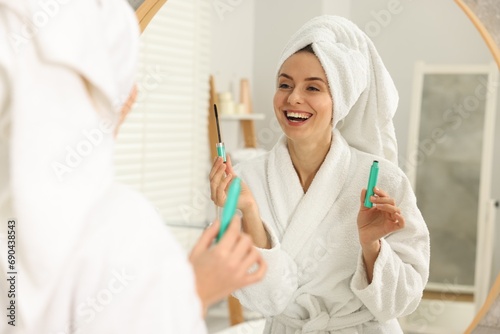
375	223
220	177
225	267
380	220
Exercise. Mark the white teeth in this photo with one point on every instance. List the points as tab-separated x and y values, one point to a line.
297	115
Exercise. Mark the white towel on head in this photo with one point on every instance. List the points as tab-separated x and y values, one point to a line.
364	96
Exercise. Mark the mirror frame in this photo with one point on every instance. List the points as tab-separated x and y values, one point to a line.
495	51
147	10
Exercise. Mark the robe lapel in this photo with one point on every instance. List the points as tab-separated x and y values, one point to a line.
284	185
304	213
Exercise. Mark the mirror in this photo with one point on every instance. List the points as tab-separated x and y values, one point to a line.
246	41
449	159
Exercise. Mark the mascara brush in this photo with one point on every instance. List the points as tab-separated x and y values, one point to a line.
221	149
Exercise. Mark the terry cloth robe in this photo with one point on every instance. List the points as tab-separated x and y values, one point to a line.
316	280
91	256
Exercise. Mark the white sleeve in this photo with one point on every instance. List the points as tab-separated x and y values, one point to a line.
402	266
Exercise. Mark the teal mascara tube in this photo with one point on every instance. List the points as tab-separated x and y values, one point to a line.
372	182
230	206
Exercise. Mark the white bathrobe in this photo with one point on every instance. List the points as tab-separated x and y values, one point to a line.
91	256
316	281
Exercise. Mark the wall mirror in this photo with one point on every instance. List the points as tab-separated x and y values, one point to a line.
449	162
244	39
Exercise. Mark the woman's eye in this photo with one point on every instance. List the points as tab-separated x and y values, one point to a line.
283	86
314	89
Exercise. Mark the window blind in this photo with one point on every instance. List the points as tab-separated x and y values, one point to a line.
162	148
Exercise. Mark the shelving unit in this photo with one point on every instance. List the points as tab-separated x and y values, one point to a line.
248	128
246	120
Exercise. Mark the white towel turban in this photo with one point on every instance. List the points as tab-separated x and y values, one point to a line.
364	96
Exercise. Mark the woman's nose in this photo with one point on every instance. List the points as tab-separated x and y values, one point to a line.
295	97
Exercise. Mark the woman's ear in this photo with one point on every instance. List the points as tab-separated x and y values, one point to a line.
126	108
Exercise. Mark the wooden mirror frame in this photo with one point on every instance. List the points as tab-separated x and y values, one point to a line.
495	50
147	10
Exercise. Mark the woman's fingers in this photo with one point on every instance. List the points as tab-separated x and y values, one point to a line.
254	259
382	200
242	248
215	167
384	203
388	208
215	181
393	215
229	164
206	240
251	264
231	236
379	192
362	197
400	220
222	190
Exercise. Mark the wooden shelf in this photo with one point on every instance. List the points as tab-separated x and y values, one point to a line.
242	117
248	128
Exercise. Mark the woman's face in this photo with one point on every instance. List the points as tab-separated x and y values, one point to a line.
302	102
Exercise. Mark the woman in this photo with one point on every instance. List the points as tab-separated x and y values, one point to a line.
334	265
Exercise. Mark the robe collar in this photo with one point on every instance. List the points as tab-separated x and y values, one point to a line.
298	213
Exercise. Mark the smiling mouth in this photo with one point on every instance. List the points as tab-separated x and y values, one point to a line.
297	117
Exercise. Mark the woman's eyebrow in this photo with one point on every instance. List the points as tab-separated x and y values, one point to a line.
314	78
286	76
306	79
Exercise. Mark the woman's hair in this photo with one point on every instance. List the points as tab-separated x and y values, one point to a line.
308	48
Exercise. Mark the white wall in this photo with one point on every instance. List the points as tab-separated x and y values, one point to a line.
232	43
233	25
337	7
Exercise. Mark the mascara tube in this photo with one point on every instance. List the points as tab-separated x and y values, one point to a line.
221	150
372	182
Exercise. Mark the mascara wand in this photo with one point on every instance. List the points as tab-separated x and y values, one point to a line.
221	149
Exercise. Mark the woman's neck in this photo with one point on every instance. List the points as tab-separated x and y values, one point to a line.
307	159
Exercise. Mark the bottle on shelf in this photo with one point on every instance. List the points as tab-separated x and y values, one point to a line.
226	104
